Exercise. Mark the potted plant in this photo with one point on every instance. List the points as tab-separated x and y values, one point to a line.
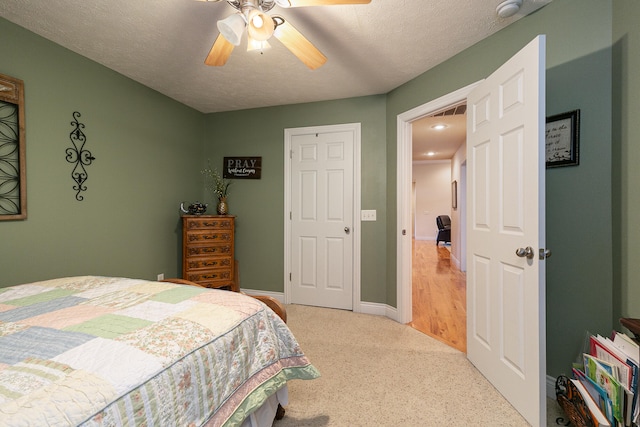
218	185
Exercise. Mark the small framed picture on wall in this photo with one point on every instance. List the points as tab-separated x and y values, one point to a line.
454	195
562	139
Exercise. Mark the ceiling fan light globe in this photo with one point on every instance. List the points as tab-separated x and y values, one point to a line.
260	26
253	45
232	28
257	21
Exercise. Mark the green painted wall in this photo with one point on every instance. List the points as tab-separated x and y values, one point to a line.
578	210
146	148
259	204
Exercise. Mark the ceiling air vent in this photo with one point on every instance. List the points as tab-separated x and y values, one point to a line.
453	111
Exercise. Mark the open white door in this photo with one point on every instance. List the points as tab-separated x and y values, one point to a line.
506	229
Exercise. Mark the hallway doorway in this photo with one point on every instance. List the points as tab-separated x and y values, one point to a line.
404	196
438	282
438	295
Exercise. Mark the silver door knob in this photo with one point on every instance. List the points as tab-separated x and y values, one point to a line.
525	252
347	230
545	253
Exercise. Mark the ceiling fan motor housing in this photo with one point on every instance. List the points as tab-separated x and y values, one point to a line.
261	5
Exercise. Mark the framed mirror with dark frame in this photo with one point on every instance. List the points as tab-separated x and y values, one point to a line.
13	183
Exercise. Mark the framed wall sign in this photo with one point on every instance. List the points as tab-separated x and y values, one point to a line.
242	167
562	139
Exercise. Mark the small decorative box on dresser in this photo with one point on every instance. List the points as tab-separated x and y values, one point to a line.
208	251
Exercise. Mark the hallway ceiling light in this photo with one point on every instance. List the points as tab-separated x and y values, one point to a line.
439	126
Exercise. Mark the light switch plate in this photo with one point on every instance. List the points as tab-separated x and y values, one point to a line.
368	215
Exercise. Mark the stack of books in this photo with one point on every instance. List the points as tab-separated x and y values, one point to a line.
606	381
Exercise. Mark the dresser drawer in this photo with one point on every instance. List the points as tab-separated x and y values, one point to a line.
208	263
212	278
214	249
209	223
209	236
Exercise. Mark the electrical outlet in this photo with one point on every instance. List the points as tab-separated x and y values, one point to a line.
368	215
160	276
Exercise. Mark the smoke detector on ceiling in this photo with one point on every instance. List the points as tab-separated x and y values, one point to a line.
508	8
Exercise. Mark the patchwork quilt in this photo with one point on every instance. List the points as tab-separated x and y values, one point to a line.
102	351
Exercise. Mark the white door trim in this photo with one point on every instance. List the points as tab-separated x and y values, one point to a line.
355	229
403	203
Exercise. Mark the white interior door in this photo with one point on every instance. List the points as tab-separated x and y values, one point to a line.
322	217
506	211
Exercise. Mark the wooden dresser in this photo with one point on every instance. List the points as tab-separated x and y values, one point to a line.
208	251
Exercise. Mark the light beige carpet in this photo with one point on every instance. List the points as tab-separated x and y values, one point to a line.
377	372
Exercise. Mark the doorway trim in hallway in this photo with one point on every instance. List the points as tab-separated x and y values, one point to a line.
404	191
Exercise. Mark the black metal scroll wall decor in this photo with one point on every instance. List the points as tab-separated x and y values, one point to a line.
78	155
9	171
13	187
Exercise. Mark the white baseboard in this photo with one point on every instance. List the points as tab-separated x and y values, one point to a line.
551	387
456	261
374	308
277	295
379	309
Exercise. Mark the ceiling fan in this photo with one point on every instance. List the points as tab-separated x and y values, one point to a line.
252	16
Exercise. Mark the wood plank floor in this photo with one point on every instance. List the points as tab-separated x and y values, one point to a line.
439	295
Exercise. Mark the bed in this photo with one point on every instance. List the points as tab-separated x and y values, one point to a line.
105	351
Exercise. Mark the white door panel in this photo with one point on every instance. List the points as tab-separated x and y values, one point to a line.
322	218
506	303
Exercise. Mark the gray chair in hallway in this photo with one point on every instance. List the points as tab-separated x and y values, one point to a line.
444	229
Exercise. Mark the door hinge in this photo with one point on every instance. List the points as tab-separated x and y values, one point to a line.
290	216
291	154
289	276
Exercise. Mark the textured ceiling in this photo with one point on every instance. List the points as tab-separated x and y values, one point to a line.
371	49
